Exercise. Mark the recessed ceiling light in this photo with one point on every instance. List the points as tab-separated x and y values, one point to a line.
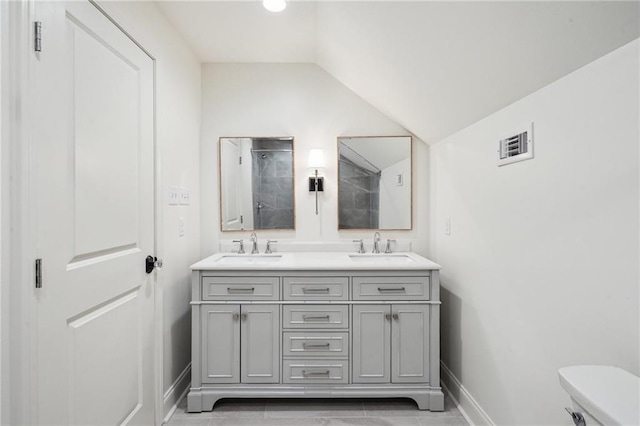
274	5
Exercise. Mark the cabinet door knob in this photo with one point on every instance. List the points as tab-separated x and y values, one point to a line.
387	316
395	316
244	317
236	316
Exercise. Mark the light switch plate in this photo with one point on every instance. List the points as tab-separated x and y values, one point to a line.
184	196
173	195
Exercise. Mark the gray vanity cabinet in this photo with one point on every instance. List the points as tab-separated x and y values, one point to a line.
260	344
371	344
390	343
240	343
410	343
220	342
265	332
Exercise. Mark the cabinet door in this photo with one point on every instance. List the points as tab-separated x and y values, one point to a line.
371	344
410	343
260	334
220	343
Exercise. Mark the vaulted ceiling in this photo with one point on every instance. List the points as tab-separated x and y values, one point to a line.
434	67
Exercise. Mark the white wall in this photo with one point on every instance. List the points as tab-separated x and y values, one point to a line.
541	268
303	101
177	139
395	200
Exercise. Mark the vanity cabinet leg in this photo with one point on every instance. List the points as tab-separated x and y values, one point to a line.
194	402
436	401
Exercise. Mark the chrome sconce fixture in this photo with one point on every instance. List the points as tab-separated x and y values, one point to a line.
316	183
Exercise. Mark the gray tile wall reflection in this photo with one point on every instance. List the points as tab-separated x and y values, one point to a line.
272	182
358	197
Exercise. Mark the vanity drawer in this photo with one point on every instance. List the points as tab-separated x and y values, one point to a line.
314	288
315	316
391	288
317	344
319	371
240	288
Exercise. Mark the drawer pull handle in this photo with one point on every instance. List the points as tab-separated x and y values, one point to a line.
240	289
307	346
315	290
385	289
315	318
306	373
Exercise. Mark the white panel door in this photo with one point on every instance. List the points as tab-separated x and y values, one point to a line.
260	348
93	209
371	344
410	344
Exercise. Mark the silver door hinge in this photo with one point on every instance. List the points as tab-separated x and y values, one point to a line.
38	273
240	158
241	219
37	36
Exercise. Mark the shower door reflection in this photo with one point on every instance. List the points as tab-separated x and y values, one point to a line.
374	182
256	183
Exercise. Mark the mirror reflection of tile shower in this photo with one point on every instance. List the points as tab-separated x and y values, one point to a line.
359	204
272	184
256	183
374	182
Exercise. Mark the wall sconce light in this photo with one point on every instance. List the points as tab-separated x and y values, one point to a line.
316	161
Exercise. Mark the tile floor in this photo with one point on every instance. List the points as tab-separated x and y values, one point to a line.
312	412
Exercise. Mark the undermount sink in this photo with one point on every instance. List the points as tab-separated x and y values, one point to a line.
393	259
250	259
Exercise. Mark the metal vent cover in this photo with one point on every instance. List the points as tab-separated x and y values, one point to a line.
518	146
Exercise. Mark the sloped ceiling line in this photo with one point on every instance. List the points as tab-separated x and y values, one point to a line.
433	67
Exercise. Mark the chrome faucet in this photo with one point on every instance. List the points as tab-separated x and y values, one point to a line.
388	249
376	243
241	249
361	248
268	249
254	243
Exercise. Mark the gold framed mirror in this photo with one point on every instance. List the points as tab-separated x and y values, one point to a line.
375	182
256	183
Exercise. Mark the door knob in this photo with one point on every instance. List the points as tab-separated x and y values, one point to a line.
152	262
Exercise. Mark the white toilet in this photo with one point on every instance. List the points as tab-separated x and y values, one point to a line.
602	395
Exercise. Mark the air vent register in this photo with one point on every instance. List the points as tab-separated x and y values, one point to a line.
516	147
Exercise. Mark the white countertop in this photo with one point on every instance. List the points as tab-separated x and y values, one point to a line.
403	261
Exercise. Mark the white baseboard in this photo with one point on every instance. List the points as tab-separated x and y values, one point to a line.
468	406
175	393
